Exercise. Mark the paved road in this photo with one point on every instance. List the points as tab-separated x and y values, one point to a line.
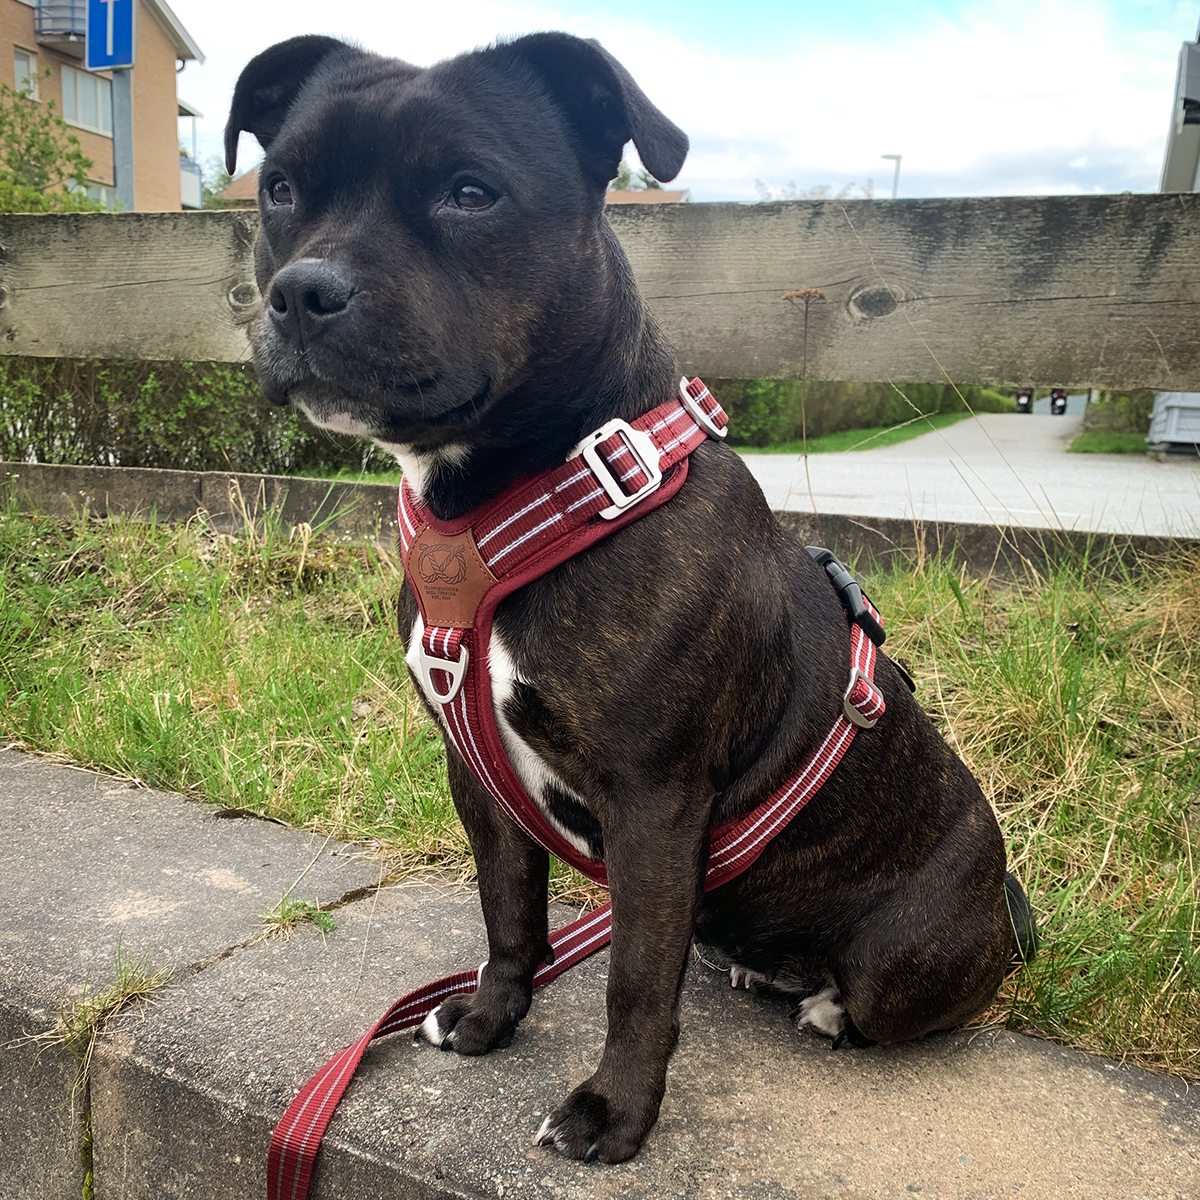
997	468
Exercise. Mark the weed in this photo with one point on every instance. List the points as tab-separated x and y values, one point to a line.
289	913
82	1020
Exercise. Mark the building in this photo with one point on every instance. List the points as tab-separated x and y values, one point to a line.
242	192
1181	162
647	196
49	35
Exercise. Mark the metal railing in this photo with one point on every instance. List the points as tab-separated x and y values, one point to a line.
58	21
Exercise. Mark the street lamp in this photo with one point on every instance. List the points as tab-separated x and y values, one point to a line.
896	177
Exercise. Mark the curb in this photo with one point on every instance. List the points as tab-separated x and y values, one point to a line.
184	1091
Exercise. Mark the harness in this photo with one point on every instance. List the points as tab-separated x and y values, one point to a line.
460	570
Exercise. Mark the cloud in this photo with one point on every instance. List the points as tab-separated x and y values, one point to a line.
1031	97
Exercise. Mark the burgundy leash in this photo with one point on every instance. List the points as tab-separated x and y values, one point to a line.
460	572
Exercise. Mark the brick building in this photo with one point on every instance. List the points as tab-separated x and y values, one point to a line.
84	98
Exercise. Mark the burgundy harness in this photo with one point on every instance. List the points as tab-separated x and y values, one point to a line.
460	571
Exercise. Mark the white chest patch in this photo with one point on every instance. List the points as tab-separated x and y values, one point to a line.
535	776
418	469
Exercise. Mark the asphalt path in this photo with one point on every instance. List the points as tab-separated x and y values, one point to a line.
997	468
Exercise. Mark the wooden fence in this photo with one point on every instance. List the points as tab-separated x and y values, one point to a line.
1079	291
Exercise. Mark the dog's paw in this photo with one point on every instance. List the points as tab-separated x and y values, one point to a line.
588	1125
745	977
822	1012
466	1027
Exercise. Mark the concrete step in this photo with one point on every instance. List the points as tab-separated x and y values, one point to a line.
186	1090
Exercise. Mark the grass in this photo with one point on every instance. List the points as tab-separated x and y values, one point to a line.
1098	441
351	475
862	439
265	673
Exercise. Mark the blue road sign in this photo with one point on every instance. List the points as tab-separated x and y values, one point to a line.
110	40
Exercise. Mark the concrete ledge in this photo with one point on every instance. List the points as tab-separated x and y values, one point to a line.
185	1092
368	510
350	510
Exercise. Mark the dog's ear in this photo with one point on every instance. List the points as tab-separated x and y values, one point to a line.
267	86
606	108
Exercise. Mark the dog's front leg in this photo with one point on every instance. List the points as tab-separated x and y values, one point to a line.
654	872
513	873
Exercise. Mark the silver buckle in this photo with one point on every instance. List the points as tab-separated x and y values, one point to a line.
698	414
645	454
852	713
427	664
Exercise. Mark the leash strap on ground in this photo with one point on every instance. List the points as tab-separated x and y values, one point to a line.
297	1137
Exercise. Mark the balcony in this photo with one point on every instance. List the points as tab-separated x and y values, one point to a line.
62	24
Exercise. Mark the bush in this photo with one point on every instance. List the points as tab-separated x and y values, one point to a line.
42	166
1114	412
186	416
766	412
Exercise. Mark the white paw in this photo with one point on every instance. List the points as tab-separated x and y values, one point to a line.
744	977
430	1031
824	1012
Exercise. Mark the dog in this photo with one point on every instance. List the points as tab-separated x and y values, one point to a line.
438	275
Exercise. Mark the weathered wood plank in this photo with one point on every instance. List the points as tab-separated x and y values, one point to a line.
176	286
1078	291
1074	291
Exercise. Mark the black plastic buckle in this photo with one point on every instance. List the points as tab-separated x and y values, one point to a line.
849	593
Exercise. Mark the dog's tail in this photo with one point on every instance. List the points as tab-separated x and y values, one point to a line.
1020	913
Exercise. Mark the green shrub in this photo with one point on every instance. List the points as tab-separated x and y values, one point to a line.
1116	412
186	416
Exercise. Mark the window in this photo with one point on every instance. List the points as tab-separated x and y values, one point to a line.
104	192
87	100
25	71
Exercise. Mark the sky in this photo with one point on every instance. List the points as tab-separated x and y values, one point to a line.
1008	97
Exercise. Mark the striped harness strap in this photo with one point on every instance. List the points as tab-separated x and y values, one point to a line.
460	571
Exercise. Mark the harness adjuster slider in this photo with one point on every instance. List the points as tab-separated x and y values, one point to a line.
698	414
428	663
852	713
645	455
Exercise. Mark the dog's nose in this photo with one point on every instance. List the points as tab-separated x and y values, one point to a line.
307	297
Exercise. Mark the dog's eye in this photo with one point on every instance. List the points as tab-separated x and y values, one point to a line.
281	192
473	196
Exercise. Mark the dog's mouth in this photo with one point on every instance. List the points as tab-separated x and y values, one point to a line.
418	412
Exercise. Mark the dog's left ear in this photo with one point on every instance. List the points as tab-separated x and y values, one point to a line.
269	83
605	106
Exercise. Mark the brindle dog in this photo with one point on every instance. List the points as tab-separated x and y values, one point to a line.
439	275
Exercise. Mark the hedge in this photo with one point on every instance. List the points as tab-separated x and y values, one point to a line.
212	416
188	416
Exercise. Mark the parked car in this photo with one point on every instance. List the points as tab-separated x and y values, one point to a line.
1025	400
1058	402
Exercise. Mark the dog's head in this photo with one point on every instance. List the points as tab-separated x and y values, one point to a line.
433	241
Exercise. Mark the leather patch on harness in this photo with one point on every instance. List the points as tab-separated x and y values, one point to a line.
449	577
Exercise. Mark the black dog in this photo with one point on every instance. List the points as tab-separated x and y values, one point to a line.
438	274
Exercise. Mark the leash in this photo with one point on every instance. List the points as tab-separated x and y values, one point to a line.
459	571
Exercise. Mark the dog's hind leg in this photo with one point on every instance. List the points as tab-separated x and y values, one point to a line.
513	872
914	968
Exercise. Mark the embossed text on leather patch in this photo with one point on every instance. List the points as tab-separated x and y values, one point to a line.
449	577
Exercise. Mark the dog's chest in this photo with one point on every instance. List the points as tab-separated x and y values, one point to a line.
562	806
